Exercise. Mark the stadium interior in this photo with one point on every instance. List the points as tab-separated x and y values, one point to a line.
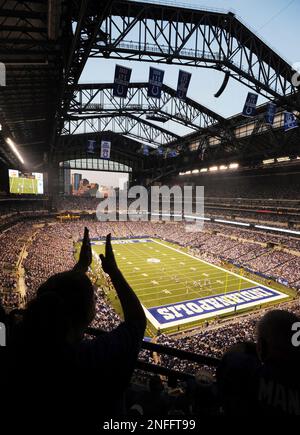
217	285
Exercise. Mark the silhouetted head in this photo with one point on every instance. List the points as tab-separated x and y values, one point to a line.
274	335
235	378
63	308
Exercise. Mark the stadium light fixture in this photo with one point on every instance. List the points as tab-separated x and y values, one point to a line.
223	221
197	218
283	159
223	167
195	171
213	168
280	230
12	145
233	165
268	161
203	170
188	173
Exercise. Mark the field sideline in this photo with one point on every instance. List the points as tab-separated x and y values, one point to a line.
177	289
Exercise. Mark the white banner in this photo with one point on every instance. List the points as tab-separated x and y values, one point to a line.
105	149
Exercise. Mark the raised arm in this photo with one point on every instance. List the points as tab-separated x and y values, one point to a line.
132	308
85	256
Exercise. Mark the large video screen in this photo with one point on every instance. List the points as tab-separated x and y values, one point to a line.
26	182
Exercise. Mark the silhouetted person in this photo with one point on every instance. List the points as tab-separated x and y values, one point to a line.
235	379
278	383
54	373
265	381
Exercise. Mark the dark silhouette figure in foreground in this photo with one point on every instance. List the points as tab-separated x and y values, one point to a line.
263	379
56	375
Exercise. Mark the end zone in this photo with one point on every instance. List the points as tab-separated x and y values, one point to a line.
181	313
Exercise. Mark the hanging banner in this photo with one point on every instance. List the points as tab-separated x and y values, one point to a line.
91	145
160	151
184	79
270	113
156	77
145	150
202	150
290	121
121	81
105	149
250	104
172	153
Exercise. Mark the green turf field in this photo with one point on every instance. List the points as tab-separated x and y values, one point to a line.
170	282
23	185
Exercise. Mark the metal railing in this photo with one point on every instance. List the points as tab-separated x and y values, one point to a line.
170	351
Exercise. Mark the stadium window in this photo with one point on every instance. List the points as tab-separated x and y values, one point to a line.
95	164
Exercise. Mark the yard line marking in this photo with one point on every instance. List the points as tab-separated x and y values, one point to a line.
214	265
144	288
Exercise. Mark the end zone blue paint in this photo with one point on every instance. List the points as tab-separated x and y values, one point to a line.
212	304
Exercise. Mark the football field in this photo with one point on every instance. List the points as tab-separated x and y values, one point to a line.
23	185
177	289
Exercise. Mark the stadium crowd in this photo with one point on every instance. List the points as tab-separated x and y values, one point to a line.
214	243
234	385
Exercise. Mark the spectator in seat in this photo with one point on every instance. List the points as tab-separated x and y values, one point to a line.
278	380
73	382
265	382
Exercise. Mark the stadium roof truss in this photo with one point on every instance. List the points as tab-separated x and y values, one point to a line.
128	125
45	46
152	32
99	98
125	150
94	107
